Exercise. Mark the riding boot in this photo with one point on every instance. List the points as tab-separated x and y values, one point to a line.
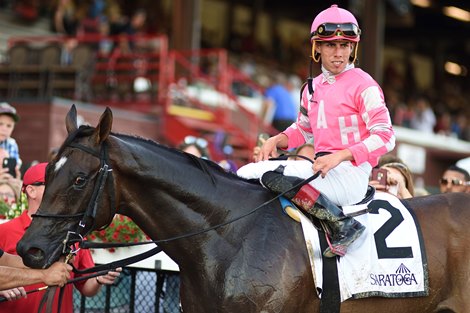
345	229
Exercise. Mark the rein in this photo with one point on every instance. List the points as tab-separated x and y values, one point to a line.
85	244
104	173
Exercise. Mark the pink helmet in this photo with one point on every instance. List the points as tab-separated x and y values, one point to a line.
335	23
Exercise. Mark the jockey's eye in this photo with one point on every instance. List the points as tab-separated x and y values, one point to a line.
80	181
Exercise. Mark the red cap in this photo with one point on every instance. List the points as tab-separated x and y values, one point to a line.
35	174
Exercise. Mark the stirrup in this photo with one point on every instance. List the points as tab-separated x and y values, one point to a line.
332	251
340	249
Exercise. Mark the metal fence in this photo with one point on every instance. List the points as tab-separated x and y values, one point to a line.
135	291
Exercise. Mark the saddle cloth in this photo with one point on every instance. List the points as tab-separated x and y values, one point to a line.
388	260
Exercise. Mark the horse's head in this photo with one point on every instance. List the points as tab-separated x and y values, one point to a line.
79	194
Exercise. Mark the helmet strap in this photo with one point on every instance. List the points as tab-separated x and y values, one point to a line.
310	69
353	58
315	55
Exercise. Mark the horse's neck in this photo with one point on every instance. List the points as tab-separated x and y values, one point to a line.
168	196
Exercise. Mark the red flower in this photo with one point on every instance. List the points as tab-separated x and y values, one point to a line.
122	229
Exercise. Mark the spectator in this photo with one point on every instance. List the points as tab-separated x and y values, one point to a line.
6	178
12	231
400	113
196	146
130	26
68	16
343	108
307	150
455	179
444	124
464	163
9	192
8	119
285	111
459	125
66	54
424	118
399	180
14	274
125	29
294	86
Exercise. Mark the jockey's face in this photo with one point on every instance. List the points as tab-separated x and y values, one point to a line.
335	54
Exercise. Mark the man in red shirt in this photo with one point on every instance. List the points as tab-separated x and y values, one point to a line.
12	231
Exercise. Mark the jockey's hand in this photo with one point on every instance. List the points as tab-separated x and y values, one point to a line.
325	163
269	148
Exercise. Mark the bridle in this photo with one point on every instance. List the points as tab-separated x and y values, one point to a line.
104	178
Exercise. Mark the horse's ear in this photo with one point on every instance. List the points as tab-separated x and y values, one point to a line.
71	120
104	126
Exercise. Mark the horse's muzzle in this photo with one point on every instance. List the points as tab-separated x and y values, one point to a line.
33	257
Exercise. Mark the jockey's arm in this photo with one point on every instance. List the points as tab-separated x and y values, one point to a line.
327	162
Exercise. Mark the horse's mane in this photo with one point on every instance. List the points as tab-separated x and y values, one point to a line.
207	166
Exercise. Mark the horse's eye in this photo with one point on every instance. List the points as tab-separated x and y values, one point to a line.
80	181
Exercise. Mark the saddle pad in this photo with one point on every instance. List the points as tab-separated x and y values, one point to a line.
388	260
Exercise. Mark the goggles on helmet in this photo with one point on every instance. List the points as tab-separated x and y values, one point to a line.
328	30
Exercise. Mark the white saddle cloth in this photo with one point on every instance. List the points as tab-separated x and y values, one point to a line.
388	260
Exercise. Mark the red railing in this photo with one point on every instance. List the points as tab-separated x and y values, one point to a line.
210	68
148	79
108	76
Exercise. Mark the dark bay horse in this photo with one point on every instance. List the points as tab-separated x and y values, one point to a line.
256	264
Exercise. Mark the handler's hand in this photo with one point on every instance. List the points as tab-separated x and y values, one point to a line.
57	274
13	294
109	278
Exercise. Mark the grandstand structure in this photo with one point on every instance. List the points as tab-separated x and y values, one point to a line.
173	90
156	92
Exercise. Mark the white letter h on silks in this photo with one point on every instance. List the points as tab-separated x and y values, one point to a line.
345	130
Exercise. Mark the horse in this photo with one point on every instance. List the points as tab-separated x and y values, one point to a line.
254	261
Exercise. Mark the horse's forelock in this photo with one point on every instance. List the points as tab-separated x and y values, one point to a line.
82	131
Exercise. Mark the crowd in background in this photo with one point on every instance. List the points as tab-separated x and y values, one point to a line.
445	112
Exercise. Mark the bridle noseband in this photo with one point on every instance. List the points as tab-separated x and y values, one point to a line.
105	176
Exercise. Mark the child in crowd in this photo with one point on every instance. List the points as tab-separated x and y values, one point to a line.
8	119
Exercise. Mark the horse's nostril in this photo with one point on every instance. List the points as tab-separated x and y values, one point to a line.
35	253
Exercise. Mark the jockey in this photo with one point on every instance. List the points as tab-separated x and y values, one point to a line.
343	111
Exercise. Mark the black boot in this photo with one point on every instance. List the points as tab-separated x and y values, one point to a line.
345	229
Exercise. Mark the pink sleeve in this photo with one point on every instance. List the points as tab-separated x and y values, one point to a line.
381	137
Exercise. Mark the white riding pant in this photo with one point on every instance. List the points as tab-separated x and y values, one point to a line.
345	184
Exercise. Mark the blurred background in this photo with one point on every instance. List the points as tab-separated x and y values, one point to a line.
173	68
196	71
